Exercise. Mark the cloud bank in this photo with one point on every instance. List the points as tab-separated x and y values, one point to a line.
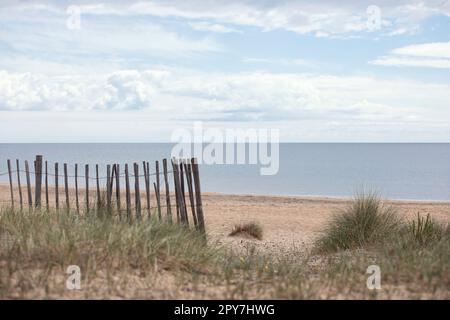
176	94
432	55
323	17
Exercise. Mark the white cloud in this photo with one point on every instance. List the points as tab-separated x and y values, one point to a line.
412	62
432	50
301	17
323	18
131	105
187	94
211	27
282	62
41	31
430	55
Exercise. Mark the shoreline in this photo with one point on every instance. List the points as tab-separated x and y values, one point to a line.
305	197
324	197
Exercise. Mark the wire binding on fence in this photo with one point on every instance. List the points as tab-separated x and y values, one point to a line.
122	175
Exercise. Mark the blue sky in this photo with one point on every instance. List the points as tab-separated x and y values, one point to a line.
136	70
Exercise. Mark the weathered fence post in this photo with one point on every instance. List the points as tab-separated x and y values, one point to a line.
127	191
10	183
30	197
183	197
157	191
108	187
77	201
18	183
166	181
180	205
56	186
147	188
38	181
98	186
198	196
66	187
113	173
187	170
137	194
47	202
158	203
86	174
175	184
118	189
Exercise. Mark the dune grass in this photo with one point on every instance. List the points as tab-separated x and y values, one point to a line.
368	223
119	258
251	229
60	237
414	254
156	260
366	220
46	242
424	230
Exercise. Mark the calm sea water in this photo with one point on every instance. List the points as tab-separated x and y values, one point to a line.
398	171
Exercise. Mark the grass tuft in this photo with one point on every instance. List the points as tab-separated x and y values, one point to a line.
424	231
251	229
365	221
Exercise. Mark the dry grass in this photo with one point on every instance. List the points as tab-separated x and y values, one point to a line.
154	260
365	221
425	231
251	230
415	254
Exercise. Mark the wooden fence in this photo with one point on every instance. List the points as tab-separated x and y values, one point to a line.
108	194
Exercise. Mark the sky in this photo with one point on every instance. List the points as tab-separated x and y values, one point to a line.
134	71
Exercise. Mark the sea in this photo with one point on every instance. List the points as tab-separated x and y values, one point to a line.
416	171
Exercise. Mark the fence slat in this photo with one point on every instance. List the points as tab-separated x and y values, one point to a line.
38	181
127	192
158	203
188	172
118	189
19	185
30	197
98	186
10	183
176	175
111	182
147	188
86	175
56	186
66	187
47	202
198	196
77	200
177	205
166	181
108	187
137	194
182	193
157	191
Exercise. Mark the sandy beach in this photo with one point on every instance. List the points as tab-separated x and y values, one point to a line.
289	222
290	226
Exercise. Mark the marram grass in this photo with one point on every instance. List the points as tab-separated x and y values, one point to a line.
365	221
63	238
151	260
